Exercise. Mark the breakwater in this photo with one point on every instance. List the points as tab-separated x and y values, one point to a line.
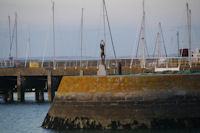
126	102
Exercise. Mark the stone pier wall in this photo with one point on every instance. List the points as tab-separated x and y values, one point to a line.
126	102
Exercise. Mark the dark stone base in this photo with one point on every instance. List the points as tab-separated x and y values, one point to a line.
175	112
77	123
86	123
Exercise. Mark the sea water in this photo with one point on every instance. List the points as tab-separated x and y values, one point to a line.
28	117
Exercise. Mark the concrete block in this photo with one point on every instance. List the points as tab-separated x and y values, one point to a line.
102	71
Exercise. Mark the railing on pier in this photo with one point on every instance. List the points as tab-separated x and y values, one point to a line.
110	63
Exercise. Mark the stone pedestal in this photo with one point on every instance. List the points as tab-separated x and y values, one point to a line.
81	73
102	71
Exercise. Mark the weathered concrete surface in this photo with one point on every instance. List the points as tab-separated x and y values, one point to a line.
119	102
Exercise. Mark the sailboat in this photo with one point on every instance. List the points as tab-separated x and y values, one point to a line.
157	69
159	59
162	60
14	62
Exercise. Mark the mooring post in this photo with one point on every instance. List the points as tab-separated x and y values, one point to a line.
36	95
5	96
41	96
53	87
20	92
50	99
11	95
119	68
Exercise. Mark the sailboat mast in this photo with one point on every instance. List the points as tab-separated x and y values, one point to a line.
54	53
189	32
177	34
111	38
81	41
28	49
9	36
159	39
143	38
16	35
104	24
29	45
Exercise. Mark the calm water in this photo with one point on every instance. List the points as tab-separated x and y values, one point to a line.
28	117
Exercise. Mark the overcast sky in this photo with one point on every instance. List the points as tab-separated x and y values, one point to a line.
125	18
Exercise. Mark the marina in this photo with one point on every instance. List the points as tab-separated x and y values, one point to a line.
150	88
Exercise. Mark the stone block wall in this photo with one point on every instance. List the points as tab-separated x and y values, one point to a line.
126	102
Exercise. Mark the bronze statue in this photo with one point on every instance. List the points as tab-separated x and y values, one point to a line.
103	56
